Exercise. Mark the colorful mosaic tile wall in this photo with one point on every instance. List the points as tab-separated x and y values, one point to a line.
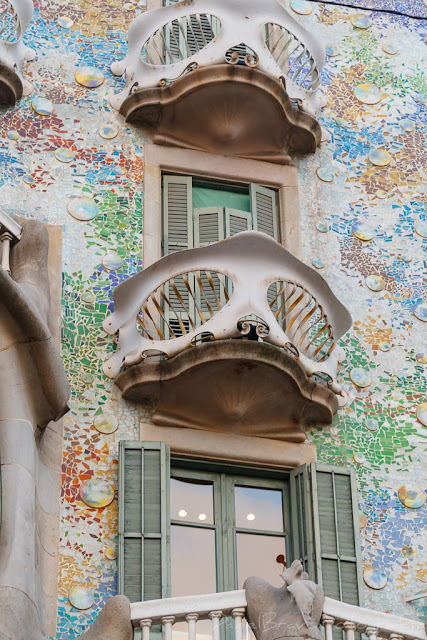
70	160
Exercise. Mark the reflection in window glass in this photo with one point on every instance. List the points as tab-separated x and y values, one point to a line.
192	501
192	561
256	556
258	508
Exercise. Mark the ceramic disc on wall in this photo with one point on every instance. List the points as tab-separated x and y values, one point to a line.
80	597
411	496
83	208
368	93
42	106
96	493
374	578
363	230
89	77
106	423
360	377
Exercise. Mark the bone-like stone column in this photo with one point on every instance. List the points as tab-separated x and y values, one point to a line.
33	392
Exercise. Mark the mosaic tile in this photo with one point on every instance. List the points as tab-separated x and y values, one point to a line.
374	82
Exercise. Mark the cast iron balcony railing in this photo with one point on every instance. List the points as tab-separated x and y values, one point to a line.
166	43
230	608
247	285
15	16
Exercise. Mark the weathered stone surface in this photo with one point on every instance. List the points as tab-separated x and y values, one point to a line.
113	623
33	392
208	110
221	387
291	612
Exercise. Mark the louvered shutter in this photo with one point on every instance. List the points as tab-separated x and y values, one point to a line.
144	529
325	529
302	519
265	219
177	235
237	221
264	211
178	213
336	532
209	228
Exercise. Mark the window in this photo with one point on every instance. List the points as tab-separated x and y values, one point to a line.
235	522
197	213
230	526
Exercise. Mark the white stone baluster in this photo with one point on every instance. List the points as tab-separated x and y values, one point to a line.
238	615
145	626
5	239
167	623
396	636
191	621
349	628
328	623
215	616
372	633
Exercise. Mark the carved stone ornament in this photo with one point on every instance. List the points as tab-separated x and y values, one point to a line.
291	612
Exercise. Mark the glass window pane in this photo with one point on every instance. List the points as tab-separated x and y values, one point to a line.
192	500
192	561
256	556
260	509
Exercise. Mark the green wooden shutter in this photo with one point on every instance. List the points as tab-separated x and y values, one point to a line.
336	532
208	225
178	234
144	520
208	228
325	498
177	213
302	519
265	219
264	211
237	221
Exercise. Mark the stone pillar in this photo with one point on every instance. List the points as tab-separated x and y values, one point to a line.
33	392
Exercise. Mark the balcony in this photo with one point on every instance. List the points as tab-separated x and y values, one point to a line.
15	16
229	609
192	71
208	334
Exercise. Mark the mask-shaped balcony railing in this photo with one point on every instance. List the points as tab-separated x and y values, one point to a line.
166	43
15	16
245	284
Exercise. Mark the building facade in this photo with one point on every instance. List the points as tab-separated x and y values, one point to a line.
302	438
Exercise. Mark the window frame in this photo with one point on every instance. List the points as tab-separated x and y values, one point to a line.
223	478
162	159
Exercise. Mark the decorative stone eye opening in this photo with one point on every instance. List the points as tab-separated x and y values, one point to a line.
180	39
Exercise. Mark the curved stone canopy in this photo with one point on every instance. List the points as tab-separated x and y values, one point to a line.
221	386
208	110
11	88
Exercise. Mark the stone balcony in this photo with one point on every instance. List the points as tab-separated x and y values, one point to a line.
209	334
192	70
15	16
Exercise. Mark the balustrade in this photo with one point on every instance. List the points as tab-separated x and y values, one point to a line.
230	608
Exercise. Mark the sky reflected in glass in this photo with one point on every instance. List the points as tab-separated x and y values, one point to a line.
260	509
256	556
192	501
192	561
